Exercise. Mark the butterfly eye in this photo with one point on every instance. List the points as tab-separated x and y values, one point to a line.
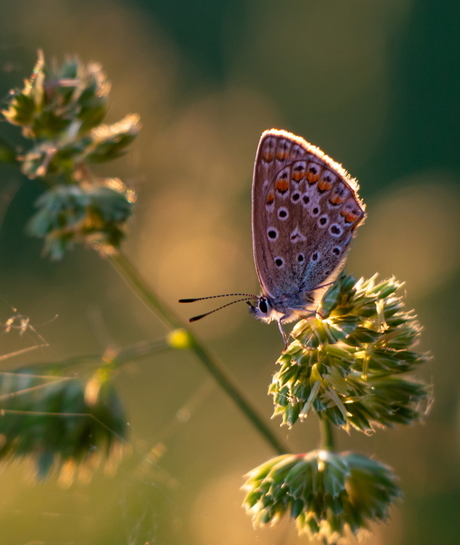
263	306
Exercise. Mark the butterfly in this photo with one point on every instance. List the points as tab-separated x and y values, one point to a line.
305	211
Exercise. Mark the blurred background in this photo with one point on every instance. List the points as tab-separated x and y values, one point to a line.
377	86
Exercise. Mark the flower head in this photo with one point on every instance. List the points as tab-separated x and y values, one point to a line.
61	109
59	98
328	494
349	362
92	214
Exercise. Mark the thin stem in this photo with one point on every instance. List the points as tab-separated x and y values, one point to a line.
209	360
327	434
113	357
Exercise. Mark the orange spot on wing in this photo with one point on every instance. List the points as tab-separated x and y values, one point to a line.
270	198
268	155
298	175
298	171
313	173
282	185
339	194
350	215
336	199
327	181
282	152
324	185
351	218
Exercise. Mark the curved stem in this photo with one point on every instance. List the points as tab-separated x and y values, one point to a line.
327	434
212	364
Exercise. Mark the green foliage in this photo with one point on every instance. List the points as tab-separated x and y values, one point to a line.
326	493
69	214
61	109
59	99
109	141
7	152
63	424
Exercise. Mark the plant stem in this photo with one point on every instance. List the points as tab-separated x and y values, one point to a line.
113	357
122	264
327	434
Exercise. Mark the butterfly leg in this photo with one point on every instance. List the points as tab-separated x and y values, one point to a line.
283	333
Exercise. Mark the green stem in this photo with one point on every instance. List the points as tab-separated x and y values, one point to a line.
327	434
212	364
114	358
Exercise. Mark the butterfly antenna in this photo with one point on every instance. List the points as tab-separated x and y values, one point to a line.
195	318
249	295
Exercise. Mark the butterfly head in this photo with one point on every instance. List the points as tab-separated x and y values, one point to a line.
265	310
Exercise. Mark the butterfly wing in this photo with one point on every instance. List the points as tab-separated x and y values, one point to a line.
305	209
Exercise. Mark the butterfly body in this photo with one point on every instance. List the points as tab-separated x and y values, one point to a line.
305	210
